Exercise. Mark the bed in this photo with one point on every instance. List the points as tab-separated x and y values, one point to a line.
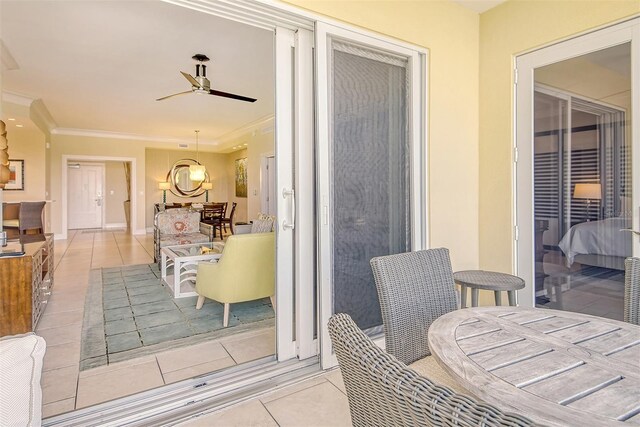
598	243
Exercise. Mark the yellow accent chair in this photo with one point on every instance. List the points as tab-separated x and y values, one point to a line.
245	271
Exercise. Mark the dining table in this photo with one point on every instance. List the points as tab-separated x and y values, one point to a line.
558	368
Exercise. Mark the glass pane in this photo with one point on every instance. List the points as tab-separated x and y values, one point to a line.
370	173
582	182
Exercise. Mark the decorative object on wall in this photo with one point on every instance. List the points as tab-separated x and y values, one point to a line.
197	171
206	186
164	186
241	177
16	175
4	155
127	203
180	178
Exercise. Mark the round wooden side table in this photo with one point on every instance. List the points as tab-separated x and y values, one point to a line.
487	280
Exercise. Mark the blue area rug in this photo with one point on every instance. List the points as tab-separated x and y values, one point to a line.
130	312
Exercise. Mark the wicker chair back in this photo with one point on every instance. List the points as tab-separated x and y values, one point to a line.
632	291
414	288
383	391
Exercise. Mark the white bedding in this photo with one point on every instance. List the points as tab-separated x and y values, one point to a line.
597	237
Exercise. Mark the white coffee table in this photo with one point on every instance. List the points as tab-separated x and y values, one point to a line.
185	259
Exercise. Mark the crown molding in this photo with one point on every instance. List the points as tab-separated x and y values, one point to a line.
7	61
16	98
262	125
129	136
40	114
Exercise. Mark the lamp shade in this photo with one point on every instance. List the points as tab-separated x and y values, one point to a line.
207	185
164	185
196	172
587	191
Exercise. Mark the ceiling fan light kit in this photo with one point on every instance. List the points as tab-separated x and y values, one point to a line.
200	84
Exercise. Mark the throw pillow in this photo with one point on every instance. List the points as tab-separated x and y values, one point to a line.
20	370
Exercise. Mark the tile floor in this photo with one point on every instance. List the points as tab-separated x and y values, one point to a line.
320	401
582	289
65	388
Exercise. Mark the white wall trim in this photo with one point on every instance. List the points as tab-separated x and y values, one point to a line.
113	225
260	125
66	158
131	136
40	112
16	98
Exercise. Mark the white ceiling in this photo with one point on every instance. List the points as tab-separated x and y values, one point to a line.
100	65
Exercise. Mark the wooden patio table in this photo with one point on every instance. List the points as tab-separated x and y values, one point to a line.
555	367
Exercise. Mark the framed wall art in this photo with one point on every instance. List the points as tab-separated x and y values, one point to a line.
241	177
16	175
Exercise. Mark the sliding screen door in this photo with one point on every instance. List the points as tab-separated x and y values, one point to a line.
366	160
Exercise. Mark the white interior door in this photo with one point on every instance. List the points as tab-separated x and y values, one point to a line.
85	195
582	126
371	168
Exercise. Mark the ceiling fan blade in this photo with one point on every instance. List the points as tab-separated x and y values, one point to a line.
175	94
231	95
189	77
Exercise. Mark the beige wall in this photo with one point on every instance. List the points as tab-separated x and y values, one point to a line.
505	31
159	162
102	149
451	33
259	143
115	194
26	143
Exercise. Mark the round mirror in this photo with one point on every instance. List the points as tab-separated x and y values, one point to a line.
181	184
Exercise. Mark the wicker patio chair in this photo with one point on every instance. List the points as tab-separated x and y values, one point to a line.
415	288
382	391
632	291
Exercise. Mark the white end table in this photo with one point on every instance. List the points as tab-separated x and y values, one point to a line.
185	259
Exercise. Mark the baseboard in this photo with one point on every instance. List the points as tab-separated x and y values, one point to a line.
60	236
140	231
115	225
149	230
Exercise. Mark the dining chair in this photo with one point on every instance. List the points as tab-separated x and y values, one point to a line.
212	214
414	289
229	219
383	391
632	290
30	217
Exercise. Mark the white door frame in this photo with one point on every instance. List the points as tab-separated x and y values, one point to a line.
264	179
525	65
417	58
102	189
66	158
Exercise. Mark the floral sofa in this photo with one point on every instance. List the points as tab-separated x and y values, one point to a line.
178	227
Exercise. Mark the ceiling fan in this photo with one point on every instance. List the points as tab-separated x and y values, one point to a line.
201	84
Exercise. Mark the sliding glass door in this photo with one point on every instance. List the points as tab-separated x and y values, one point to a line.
577	171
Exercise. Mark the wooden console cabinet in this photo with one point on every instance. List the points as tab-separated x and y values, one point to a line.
25	285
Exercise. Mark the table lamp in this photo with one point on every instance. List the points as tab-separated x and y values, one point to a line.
164	186
589	192
207	186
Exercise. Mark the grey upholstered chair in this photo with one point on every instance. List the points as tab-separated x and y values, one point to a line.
632	290
415	288
383	391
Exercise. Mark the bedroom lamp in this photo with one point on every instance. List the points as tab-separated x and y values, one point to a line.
589	192
207	186
164	186
197	171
